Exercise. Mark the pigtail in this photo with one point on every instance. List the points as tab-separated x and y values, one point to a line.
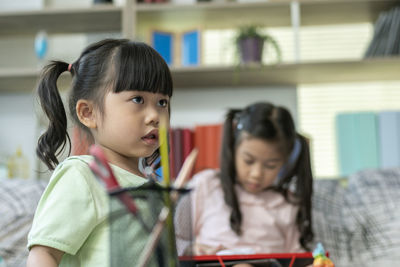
53	141
228	173
304	190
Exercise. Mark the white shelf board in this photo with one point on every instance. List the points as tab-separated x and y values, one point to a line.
376	69
98	18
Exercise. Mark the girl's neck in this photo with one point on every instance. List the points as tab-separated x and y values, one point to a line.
129	164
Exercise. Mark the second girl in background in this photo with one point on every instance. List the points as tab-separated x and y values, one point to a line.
260	199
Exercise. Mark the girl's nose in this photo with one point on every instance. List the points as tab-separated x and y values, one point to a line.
256	171
152	116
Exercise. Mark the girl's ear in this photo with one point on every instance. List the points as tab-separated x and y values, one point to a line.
86	113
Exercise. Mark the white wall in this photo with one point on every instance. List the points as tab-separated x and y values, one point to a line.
18	127
209	105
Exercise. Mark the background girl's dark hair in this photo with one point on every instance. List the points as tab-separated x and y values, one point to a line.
109	65
273	124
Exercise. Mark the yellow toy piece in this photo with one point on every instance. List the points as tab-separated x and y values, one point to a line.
320	260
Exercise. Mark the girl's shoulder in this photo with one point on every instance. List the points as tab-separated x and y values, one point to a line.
81	161
73	167
80	165
208	177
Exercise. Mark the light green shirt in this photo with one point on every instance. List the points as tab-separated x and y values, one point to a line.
72	213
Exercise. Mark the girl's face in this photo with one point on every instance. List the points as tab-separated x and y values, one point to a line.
257	164
128	128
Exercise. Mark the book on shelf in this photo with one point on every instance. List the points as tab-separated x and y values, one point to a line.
389	138
367	135
213	135
357	142
187	135
171	152
190	48
386	36
178	150
188	142
163	43
346	147
200	144
208	142
181	144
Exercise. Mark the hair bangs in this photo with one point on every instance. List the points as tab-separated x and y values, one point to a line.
140	68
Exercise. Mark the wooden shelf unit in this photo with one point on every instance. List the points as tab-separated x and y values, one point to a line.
131	17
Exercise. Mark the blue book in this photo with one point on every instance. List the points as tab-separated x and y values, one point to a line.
191	48
389	138
163	44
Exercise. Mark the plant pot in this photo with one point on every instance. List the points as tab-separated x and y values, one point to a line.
251	50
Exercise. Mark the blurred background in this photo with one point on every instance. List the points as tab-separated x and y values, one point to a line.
321	59
333	63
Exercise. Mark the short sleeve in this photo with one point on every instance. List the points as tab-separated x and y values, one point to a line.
68	210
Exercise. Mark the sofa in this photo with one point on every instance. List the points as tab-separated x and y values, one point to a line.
357	221
18	198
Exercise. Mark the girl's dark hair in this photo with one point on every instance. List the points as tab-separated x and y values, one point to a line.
273	124
109	65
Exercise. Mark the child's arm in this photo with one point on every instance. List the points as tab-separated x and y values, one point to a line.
200	249
44	257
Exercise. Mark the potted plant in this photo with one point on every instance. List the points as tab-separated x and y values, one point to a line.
250	44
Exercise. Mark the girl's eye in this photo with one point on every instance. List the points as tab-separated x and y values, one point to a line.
248	161
163	103
138	100
270	167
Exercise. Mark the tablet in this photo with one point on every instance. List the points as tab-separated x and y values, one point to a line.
257	260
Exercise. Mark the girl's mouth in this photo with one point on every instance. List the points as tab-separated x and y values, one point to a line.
253	186
151	138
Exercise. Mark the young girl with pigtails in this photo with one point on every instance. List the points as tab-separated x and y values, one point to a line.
120	90
259	201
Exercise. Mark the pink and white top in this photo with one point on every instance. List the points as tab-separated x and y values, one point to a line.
268	220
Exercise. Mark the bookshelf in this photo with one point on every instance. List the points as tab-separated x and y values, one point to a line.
289	74
24	80
135	18
108	18
384	69
269	13
99	18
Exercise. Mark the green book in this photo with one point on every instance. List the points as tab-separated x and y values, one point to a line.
346	143
367	136
357	142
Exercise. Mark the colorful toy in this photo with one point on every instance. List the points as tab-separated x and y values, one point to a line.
320	258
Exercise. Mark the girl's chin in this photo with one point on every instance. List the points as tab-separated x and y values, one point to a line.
149	152
253	189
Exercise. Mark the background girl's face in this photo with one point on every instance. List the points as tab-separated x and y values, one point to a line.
257	163
128	128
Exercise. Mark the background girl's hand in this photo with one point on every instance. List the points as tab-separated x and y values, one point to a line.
201	249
